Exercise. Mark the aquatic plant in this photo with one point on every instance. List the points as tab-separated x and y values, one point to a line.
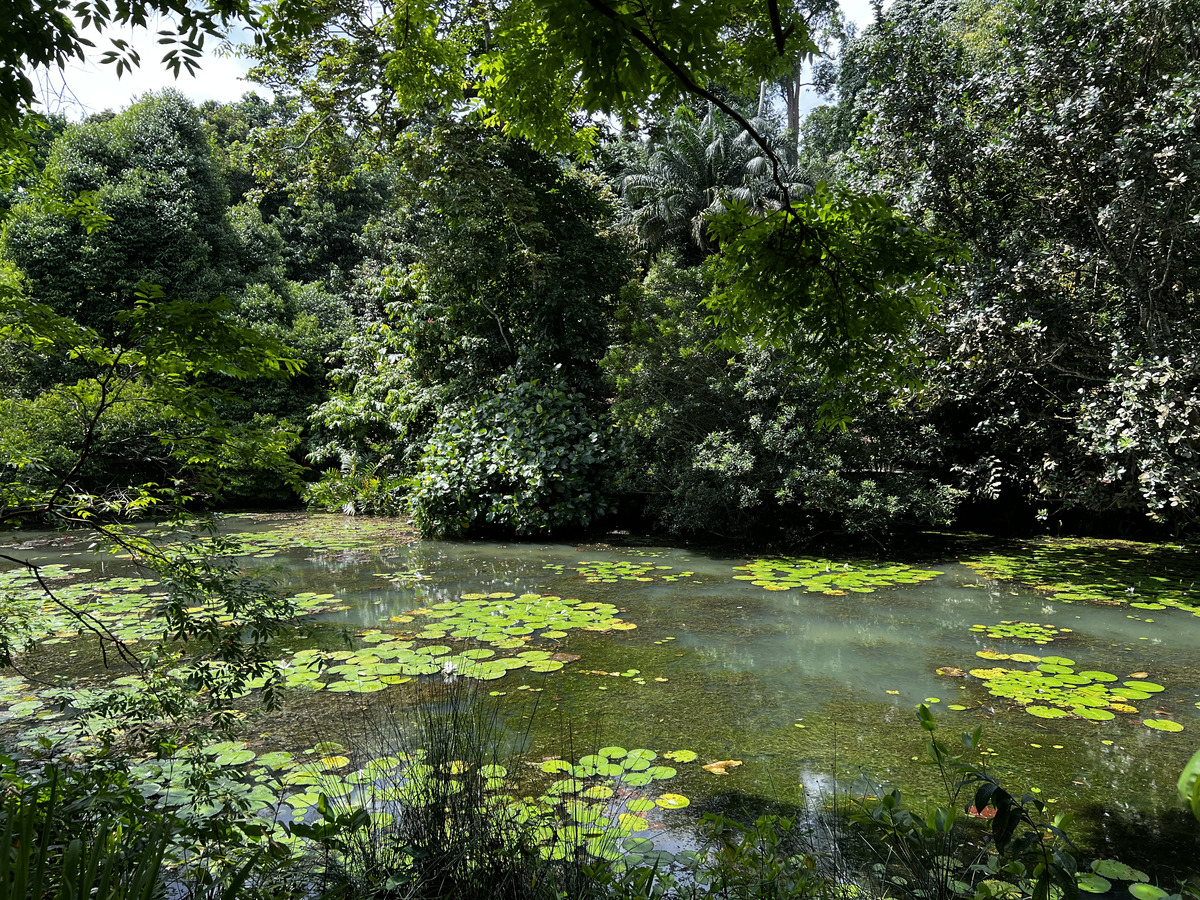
1022	631
493	622
325	533
393	660
127	608
1143	576
825	577
598	571
501	616
1054	690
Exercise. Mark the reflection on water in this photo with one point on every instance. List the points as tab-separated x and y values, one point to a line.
801	687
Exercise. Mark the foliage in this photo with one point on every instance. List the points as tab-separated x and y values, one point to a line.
1055	140
53	856
759	861
578	58
456	836
728	442
502	274
514	261
318	217
681	180
163	355
46	34
149	172
1189	785
920	853
527	459
841	277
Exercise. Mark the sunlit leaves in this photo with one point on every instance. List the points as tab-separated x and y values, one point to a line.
1144	576
1022	631
1055	690
844	277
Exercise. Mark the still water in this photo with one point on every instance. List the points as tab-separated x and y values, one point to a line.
810	692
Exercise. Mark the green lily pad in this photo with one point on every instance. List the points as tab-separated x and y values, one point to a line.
234	757
1162	724
1093	883
1072	570
681	756
1022	631
1146	687
826	577
1147	891
1054	690
672	801
1118	871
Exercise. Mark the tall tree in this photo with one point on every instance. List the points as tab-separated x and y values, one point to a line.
150	174
685	177
1058	140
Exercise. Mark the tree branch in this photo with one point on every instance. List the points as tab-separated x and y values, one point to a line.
690	85
87	620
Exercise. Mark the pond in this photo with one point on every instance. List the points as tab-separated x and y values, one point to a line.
801	675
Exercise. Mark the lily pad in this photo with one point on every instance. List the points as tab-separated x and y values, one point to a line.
1093	883
672	801
1022	631
681	756
1113	573
1162	725
827	577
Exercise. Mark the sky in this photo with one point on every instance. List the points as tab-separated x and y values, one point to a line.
89	87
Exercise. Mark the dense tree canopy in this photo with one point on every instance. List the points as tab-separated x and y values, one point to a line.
1058	141
990	234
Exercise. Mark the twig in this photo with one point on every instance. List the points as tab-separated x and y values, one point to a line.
86	619
691	86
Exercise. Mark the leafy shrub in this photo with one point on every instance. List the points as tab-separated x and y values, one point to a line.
354	491
732	443
527	459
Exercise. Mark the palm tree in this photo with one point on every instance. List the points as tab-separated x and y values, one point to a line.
682	180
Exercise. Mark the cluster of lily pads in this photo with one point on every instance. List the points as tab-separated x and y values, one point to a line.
599	571
616	767
323	533
123	606
505	620
1022	631
1105	871
590	804
501	620
17	698
392	660
1144	576
1054	690
825	577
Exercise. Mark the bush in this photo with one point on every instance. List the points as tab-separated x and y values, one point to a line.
732	443
528	459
